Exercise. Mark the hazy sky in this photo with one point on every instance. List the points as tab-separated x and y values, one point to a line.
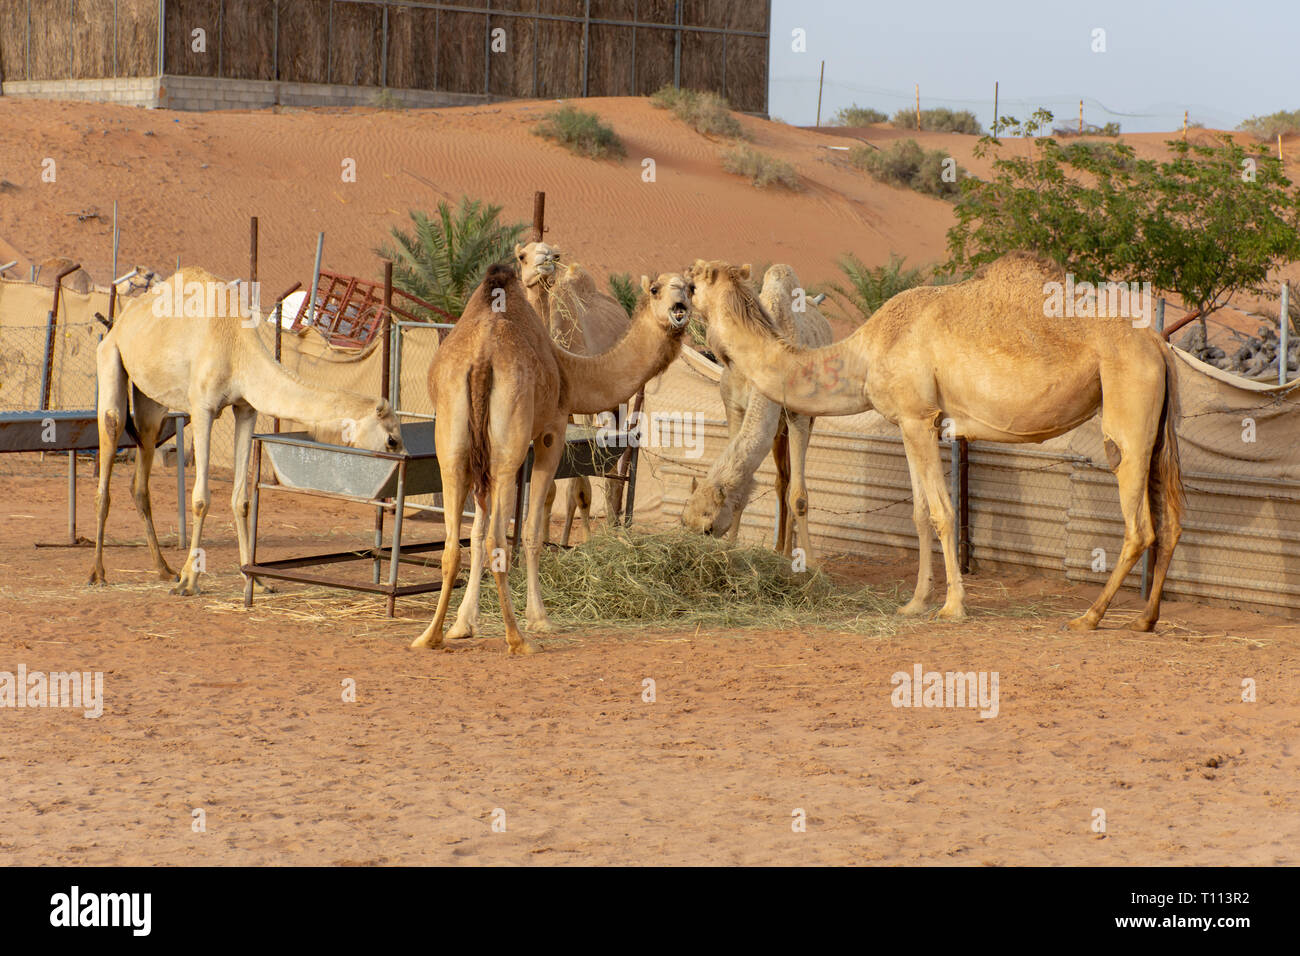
1223	61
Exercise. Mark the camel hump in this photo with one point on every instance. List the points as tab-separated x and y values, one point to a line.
498	276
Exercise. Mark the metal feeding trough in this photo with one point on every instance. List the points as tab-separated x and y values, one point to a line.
77	430
385	481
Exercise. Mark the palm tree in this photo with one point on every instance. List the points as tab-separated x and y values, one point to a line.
443	260
869	288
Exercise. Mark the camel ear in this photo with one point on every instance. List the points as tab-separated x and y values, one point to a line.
645	284
519	250
745	270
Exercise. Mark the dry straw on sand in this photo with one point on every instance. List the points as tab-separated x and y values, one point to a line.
678	579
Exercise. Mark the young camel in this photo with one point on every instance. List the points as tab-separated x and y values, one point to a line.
499	383
583	320
755	424
983	357
200	365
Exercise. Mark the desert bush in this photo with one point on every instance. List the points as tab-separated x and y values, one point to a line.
939	120
761	169
856	115
581	132
704	111
443	259
905	163
1268	127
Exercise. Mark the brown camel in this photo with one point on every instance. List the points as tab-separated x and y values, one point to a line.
756	424
200	364
983	357
499	383
585	321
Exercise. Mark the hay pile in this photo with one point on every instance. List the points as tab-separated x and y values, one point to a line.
680	579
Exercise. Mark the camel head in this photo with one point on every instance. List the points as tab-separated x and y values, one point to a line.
536	262
707	510
375	427
669	298
721	294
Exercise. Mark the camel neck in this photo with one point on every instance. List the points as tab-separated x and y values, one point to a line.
597	383
830	380
273	390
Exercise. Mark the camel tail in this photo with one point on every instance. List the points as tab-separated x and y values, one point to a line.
479	382
1165	478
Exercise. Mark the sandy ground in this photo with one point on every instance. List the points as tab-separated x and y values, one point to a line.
241	714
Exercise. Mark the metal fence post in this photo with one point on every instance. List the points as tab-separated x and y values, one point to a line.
1283	334
1160	314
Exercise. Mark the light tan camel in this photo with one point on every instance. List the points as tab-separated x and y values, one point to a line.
983	357
585	321
755	424
499	382
200	364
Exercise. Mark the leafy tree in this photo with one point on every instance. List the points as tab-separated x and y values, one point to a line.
1207	222
443	259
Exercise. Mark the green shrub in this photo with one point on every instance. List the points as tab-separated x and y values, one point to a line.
1268	127
856	115
580	131
939	120
761	169
905	163
705	112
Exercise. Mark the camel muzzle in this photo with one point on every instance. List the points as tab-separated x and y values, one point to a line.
677	315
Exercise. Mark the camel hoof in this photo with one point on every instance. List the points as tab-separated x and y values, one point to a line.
167	574
185	590
951	614
1139	624
260	588
458	633
1080	623
912	608
426	640
97	580
524	647
544	626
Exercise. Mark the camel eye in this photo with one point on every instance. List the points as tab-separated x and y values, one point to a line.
392	443
690	289
654	290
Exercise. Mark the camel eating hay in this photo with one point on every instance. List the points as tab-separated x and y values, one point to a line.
755	423
983	358
200	364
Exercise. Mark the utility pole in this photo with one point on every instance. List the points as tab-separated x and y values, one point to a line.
821	77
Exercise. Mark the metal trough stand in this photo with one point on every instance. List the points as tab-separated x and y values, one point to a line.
383	481
76	430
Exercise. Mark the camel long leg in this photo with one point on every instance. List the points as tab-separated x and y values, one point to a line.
245	424
922	446
781	458
545	461
466	623
925	562
112	401
577	502
800	435
454	489
502	500
149	417
1167	534
1138	533
201	499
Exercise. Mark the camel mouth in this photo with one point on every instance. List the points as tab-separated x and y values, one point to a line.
677	315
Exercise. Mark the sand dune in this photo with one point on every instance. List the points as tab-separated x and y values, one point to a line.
186	184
